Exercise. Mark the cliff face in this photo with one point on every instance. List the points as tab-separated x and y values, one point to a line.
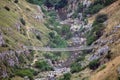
73	7
21	24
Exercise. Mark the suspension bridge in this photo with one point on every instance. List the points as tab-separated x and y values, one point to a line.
47	49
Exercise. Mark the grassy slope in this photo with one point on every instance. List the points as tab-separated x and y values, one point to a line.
110	72
9	19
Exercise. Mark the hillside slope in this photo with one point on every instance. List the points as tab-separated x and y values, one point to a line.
21	24
111	37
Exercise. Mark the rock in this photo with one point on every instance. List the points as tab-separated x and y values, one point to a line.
75	28
99	53
118	26
93	57
118	70
103	50
26	78
86	3
2	42
18	26
4	74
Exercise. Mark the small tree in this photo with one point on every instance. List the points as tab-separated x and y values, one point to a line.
16	1
22	21
94	64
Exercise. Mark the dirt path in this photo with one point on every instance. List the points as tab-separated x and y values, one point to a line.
27	32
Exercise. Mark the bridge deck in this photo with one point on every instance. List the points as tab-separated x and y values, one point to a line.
59	49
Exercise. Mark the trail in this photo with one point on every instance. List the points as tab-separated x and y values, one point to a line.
27	32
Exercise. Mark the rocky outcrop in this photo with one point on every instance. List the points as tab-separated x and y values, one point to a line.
2	42
99	53
11	59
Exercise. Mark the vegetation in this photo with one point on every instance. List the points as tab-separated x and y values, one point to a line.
16	1
80	58
75	67
97	29
43	66
66	76
25	72
98	5
56	41
22	21
7	8
50	3
94	64
52	56
118	77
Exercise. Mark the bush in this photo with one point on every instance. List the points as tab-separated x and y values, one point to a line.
43	66
38	2
98	5
75	67
16	1
97	29
22	21
25	72
38	37
94	9
108	2
118	77
52	34
101	18
7	8
61	4
94	64
80	58
58	42
66	76
90	39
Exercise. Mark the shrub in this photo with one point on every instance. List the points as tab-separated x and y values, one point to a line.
61	4
101	18
7	8
65	29
58	42
52	34
94	64
68	35
94	9
118	77
80	58
97	29
98	5
75	67
43	66
108	2
38	37
16	1
90	39
80	7
22	21
25	72
66	76
38	2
